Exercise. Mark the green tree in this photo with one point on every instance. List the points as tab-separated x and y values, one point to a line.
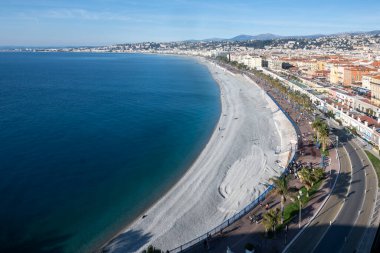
322	131
306	177
317	123
281	188
324	135
271	220
317	174
330	114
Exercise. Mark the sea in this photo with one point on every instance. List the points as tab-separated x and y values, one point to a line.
88	141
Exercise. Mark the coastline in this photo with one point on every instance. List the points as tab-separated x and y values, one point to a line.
229	173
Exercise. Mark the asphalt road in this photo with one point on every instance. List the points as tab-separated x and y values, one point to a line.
343	229
349	207
316	230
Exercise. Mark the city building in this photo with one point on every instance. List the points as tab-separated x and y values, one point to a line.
375	90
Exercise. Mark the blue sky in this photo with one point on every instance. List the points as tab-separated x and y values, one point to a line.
101	22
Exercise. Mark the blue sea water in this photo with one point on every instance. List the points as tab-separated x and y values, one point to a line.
88	141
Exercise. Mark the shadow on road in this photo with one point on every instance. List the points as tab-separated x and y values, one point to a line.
276	242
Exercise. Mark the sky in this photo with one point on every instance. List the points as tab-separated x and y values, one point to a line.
105	22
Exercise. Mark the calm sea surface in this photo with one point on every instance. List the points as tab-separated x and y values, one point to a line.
88	141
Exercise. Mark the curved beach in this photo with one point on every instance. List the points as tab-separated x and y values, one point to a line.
251	143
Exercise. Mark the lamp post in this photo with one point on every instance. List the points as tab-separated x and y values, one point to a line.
299	199
336	149
330	171
337	141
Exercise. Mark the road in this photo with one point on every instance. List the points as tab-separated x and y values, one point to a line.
349	207
319	226
343	229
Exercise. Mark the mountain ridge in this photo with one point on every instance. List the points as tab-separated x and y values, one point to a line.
271	36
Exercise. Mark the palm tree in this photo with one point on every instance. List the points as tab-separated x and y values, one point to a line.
331	114
281	188
324	136
307	179
322	130
271	220
316	125
318	174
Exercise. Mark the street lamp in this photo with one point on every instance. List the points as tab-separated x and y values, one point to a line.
299	199
331	172
337	141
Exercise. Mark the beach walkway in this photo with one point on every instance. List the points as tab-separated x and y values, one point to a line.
236	236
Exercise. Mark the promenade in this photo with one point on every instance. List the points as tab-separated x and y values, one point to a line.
342	216
236	236
346	217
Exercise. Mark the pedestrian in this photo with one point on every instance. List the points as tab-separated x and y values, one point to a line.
267	206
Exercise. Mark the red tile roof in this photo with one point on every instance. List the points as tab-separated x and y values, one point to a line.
371	121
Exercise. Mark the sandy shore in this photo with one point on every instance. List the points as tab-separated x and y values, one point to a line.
250	144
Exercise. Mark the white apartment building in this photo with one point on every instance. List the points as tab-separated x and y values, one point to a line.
375	90
275	64
248	60
252	61
366	82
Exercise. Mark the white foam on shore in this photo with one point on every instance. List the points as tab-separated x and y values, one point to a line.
230	172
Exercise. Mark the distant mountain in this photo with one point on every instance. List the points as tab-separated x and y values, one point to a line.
358	33
265	36
270	36
374	32
205	40
214	39
313	36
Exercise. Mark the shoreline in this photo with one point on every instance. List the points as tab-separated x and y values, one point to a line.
226	199
198	60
